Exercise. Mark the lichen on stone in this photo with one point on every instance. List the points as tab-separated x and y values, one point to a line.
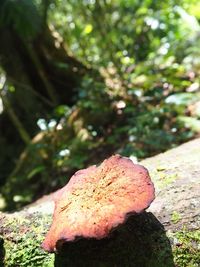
186	247
22	240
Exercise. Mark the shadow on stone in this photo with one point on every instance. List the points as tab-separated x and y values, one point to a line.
141	242
2	252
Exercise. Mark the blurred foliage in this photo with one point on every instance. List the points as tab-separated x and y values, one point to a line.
145	100
18	13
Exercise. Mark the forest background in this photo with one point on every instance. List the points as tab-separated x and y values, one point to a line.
81	80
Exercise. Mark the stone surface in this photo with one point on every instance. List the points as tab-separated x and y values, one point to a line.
167	235
176	175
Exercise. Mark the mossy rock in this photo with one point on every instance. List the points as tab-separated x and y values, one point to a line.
22	245
166	235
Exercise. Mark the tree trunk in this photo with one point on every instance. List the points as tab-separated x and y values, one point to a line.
42	72
39	76
166	235
39	69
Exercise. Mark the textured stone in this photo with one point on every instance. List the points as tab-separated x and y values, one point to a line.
169	237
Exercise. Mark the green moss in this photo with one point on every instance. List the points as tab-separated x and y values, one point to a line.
160	168
186	248
143	242
27	252
24	248
175	217
164	179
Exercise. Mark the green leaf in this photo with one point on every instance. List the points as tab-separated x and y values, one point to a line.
88	29
36	171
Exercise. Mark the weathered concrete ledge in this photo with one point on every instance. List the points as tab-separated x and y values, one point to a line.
166	235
